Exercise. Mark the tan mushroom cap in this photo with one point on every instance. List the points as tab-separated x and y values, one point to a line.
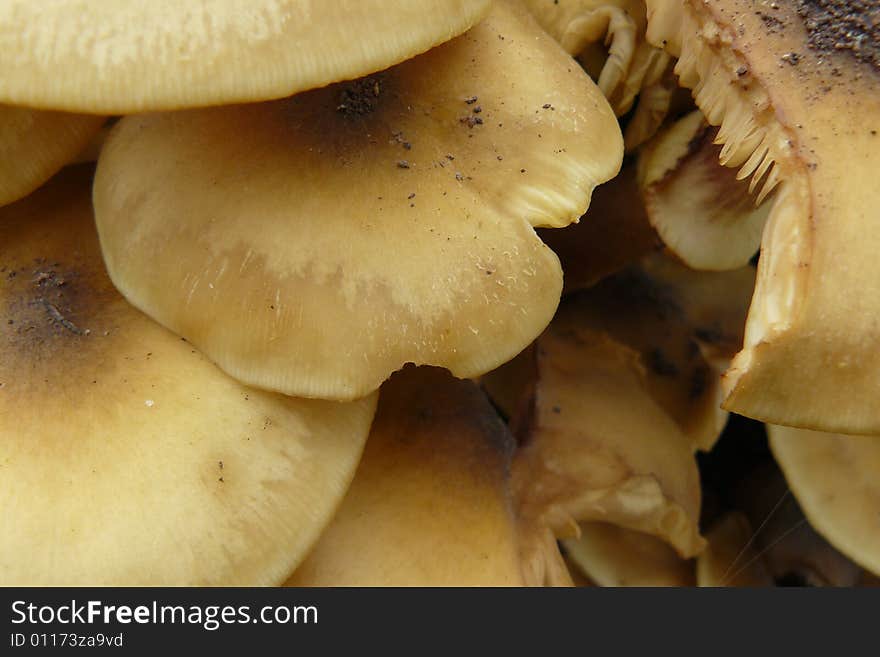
599	448
612	556
704	215
316	244
793	109
34	145
649	317
431	503
608	39
835	480
714	304
128	56
127	457
730	558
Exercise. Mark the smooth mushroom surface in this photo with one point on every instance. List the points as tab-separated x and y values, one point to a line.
34	145
317	244
127	457
797	100
431	502
835	479
597	447
130	56
704	215
612	556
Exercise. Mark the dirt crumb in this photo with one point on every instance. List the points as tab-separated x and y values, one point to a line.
848	25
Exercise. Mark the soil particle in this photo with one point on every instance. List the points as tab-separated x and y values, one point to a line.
843	25
360	97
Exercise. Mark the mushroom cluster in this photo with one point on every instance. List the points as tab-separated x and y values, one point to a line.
439	292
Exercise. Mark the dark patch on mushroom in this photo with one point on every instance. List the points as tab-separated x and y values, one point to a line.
659	363
843	25
360	97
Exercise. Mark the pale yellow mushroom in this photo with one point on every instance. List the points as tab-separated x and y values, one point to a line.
798	105
597	447
127	458
704	215
34	145
608	38
431	503
835	479
317	244
612	556
131	56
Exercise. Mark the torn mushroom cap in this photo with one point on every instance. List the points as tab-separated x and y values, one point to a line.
34	145
599	448
430	504
730	558
649	317
793	107
128	57
630	65
612	556
317	244
834	478
127	457
704	215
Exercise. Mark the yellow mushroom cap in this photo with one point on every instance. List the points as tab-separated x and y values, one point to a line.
127	457
129	56
613	556
431	503
597	447
702	212
835	479
650	317
34	145
799	107
315	245
631	66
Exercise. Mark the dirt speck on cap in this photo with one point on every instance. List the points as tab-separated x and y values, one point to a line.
843	25
360	97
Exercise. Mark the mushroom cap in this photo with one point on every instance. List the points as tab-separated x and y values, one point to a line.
730	559
128	56
599	448
613	556
430	504
650	317
714	304
315	245
127	457
704	215
834	478
608	39
34	145
796	110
